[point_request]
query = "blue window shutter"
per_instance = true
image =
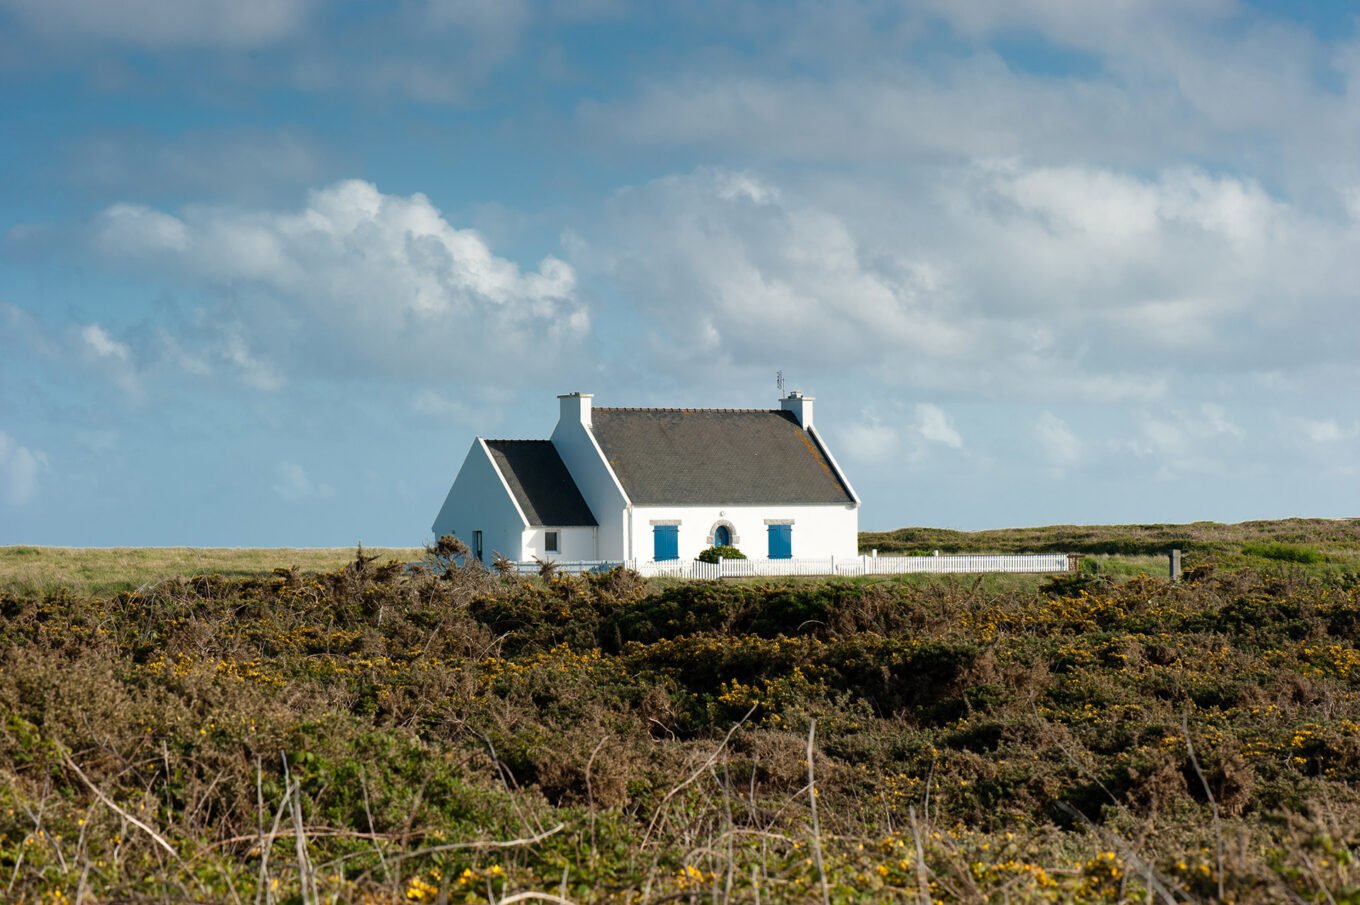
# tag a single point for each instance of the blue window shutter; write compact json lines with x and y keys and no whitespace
{"x":781,"y":542}
{"x":665,"y":542}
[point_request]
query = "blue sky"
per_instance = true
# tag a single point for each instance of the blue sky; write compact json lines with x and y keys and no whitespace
{"x":267,"y":266}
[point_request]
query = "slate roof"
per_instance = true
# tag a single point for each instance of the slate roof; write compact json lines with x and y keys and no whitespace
{"x":716,"y":457}
{"x":540,"y":482}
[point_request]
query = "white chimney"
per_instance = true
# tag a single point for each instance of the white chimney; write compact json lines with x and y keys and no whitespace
{"x":575,"y":408}
{"x":800,"y":405}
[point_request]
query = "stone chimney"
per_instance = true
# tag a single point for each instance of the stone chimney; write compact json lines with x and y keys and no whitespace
{"x":800,"y":405}
{"x":575,"y":408}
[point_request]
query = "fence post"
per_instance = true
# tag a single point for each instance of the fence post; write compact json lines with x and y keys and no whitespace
{"x":1073,"y":562}
{"x":833,"y":563}
{"x":720,"y":559}
{"x":1175,"y":565}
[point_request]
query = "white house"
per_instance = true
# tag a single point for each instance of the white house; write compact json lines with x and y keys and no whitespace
{"x":617,"y":484}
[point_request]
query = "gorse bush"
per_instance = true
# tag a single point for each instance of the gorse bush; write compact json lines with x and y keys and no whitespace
{"x":388,"y":734}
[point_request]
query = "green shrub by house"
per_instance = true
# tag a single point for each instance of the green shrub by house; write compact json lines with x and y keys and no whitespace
{"x":713,"y":554}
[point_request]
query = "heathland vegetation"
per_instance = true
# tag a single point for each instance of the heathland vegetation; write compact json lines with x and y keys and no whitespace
{"x":373,"y":732}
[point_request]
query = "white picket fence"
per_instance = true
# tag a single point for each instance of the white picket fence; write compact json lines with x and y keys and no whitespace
{"x":856,"y":565}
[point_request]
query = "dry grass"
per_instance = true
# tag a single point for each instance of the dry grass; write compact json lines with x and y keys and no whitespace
{"x":40,"y":570}
{"x":1113,"y":550}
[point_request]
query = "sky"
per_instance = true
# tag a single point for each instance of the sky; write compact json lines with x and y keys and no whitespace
{"x":267,"y":267}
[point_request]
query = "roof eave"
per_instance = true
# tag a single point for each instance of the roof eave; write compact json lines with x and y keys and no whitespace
{"x":836,"y":466}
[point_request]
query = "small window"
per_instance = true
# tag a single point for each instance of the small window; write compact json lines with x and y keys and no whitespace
{"x":550,"y":542}
{"x":477,"y":545}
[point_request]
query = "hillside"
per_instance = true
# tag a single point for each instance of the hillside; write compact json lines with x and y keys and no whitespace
{"x":1326,"y":535}
{"x":373,"y":734}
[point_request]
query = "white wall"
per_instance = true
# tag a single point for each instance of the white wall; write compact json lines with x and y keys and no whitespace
{"x":818,"y":531}
{"x":597,"y":484}
{"x":480,"y":501}
{"x":575,"y":544}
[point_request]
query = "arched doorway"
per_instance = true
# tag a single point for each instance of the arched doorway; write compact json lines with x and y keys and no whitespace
{"x":722,"y":536}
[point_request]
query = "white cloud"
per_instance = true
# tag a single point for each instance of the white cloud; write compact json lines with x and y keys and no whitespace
{"x":1119,"y":83}
{"x":733,"y":274}
{"x":110,"y":357}
{"x":131,"y":230}
{"x":1321,"y":431}
{"x":1060,"y":447}
{"x":1112,"y":210}
{"x":869,"y":440}
{"x":1182,"y":442}
{"x":253,"y":372}
{"x":996,"y":279}
{"x":1217,"y":421}
{"x":22,"y":332}
{"x":19,"y":470}
{"x":165,"y":23}
{"x":890,"y":112}
{"x":482,"y":410}
{"x":355,"y":281}
{"x":292,"y":483}
{"x":98,"y":341}
{"x":181,"y":358}
{"x":934,"y":426}
{"x":431,"y":404}
{"x":1115,"y":23}
{"x":894,"y":432}
{"x":987,"y":191}
{"x":1163,"y":258}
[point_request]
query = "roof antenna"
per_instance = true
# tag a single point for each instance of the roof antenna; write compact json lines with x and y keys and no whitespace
{"x":779,"y":382}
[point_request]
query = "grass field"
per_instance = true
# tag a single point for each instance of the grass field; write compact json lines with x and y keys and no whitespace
{"x":38,"y":570}
{"x":1325,"y":545}
{"x":372,"y":734}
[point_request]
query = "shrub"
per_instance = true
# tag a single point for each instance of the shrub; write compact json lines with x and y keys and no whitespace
{"x":658,"y":734}
{"x":712,"y":554}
